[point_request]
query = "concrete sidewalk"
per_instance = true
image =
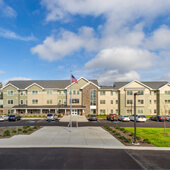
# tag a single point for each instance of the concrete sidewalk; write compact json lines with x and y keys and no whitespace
{"x":77,"y":118}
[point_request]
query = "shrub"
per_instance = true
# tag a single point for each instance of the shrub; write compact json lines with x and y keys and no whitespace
{"x":105,"y":126}
{"x":24,"y":127}
{"x":25,"y":131}
{"x":132,"y":134}
{"x":6,"y":133}
{"x":122,"y":129}
{"x":27,"y":126}
{"x":14,"y":131}
{"x":113,"y":131}
{"x":19,"y":130}
{"x":30,"y":129}
{"x":125,"y":131}
{"x":38,"y":126}
{"x":128,"y":140}
{"x":117,"y":134}
{"x":59,"y":115}
{"x":88,"y":115}
{"x":116,"y":127}
{"x":122,"y":137}
{"x":138,"y":137}
{"x":34,"y":127}
{"x":146,"y":141}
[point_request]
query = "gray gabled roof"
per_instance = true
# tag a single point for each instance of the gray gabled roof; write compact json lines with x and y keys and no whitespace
{"x":60,"y":84}
{"x":106,"y":87}
{"x":152,"y":84}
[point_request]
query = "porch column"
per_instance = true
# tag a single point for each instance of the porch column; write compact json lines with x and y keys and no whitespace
{"x":49,"y":110}
{"x":41,"y":112}
{"x":65,"y":112}
{"x":83,"y":111}
{"x":55,"y":110}
{"x":15,"y":111}
{"x":26,"y":111}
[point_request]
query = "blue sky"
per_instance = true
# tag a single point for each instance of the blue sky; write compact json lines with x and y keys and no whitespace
{"x":106,"y":40}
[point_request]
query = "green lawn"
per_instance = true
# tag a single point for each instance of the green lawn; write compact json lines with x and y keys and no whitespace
{"x":101,"y":116}
{"x":33,"y":117}
{"x":154,"y":135}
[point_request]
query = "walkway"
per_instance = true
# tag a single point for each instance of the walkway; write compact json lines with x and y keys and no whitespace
{"x":74,"y":118}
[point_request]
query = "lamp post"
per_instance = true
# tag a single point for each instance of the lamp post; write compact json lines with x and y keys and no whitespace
{"x":134,"y":142}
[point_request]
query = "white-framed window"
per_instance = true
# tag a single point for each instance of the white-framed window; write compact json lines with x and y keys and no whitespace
{"x":60,"y":101}
{"x":102,"y":101}
{"x":10,"y":92}
{"x":102,"y":111}
{"x":150,"y":101}
{"x":129,"y":111}
{"x":140,"y":111}
{"x":22,"y":101}
{"x":111,"y":111}
{"x":49,"y":101}
{"x":35,"y":101}
{"x":111,"y":101}
{"x":102,"y":93}
{"x":155,"y":101}
{"x":10,"y":112}
{"x":49,"y":92}
{"x":10,"y":101}
{"x":140,"y":92}
{"x":117,"y":111}
{"x":26,"y":102}
{"x":21,"y":93}
{"x":78,"y":92}
{"x":74,"y":92}
{"x":167,"y":101}
{"x":140,"y":101}
{"x":167,"y":92}
{"x":111,"y":93}
{"x":75,"y":100}
{"x":117,"y":101}
{"x":64,"y":101}
{"x":155,"y":111}
{"x":59,"y":92}
{"x":155,"y":92}
{"x":129,"y":101}
{"x":34,"y":92}
{"x":116,"y":93}
{"x":129,"y":92}
{"x":92,"y":97}
{"x":26,"y":92}
{"x":65,"y":92}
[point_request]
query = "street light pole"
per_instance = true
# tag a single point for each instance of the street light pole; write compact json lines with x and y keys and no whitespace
{"x":134,"y":142}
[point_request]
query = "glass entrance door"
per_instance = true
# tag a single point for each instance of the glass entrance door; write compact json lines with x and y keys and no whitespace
{"x":74,"y":112}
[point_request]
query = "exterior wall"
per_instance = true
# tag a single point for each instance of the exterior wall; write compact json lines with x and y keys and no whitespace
{"x":86,"y":97}
{"x":107,"y":97}
{"x":123,"y":106}
{"x":14,"y":97}
{"x":162,"y":107}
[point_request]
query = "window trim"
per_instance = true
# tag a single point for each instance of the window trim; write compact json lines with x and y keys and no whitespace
{"x":10,"y":91}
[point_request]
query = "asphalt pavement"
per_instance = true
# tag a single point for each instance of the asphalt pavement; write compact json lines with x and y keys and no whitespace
{"x":76,"y":158}
{"x":100,"y":122}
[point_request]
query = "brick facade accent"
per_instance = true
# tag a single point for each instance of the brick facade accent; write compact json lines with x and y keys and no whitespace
{"x":86,"y":98}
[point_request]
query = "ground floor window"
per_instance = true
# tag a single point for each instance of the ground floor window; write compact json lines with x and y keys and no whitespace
{"x":111,"y":110}
{"x":117,"y":111}
{"x":129,"y":111}
{"x":10,"y":111}
{"x":140,"y":111}
{"x":93,"y":111}
{"x":155,"y":111}
{"x":102,"y":111}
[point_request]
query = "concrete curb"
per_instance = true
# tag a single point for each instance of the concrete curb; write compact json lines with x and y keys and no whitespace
{"x":89,"y":147}
{"x":32,"y":118}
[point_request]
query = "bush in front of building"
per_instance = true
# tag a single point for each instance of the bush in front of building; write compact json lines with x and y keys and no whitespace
{"x":6,"y":133}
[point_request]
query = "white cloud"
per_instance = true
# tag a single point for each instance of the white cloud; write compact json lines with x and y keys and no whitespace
{"x":110,"y":76}
{"x":15,"y":78}
{"x":122,"y":58}
{"x":65,"y":44}
{"x":2,"y":72}
{"x":166,"y":76}
{"x":6,"y":10}
{"x":160,"y":39}
{"x":12,"y":35}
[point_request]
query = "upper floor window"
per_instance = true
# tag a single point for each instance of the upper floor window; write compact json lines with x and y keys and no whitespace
{"x":111,"y":93}
{"x":22,"y":101}
{"x":155,"y":101}
{"x":22,"y":93}
{"x":74,"y":92}
{"x":140,"y":101}
{"x":75,"y":100}
{"x":59,"y":101}
{"x":10,"y":101}
{"x":102,"y":101}
{"x":167,"y":101}
{"x":49,"y":92}
{"x":49,"y":101}
{"x":10,"y":92}
{"x":34,"y":101}
{"x":116,"y":101}
{"x":92,"y":97}
{"x":78,"y":92}
{"x":26,"y":92}
{"x":64,"y":101}
{"x":155,"y":92}
{"x":116,"y":93}
{"x":65,"y":92}
{"x":167,"y":92}
{"x":140,"y":92}
{"x":34,"y":92}
{"x":102,"y":93}
{"x":111,"y":101}
{"x":129,"y":92}
{"x":129,"y":101}
{"x":59,"y":92}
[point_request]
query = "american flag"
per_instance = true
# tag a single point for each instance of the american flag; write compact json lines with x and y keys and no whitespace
{"x":73,"y":79}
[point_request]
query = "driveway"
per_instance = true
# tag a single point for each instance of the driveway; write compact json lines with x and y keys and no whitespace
{"x":90,"y":137}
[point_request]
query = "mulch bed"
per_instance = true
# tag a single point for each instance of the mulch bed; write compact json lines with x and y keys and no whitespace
{"x":17,"y":130}
{"x":127,"y":135}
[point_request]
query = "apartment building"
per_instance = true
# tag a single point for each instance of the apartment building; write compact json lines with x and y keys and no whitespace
{"x":29,"y":97}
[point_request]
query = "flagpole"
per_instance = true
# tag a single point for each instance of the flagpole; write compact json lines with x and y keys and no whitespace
{"x":70,"y":101}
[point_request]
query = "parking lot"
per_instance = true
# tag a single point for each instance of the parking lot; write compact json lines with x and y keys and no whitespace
{"x":100,"y":122}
